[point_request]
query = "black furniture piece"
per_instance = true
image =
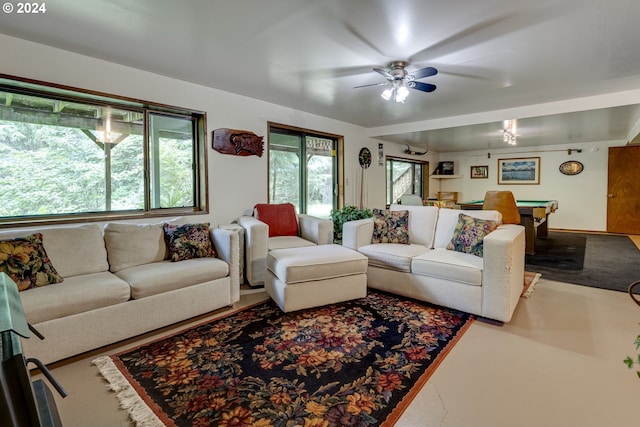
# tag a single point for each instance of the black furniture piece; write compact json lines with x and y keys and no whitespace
{"x":23,"y":403}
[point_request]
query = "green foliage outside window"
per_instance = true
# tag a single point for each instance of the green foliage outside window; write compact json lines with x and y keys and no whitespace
{"x":47,"y":170}
{"x":65,"y":153}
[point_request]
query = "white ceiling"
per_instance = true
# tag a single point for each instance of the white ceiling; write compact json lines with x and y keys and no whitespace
{"x":569,"y":70}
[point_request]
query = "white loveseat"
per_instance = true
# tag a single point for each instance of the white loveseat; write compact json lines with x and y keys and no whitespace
{"x":487,"y":286}
{"x":118,"y":283}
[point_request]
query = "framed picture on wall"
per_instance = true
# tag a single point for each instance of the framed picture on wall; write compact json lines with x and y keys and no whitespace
{"x":479,"y":172}
{"x":519,"y":171}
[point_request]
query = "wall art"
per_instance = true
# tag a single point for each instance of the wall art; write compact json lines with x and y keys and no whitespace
{"x":479,"y":172}
{"x":571,"y":167}
{"x":519,"y":171}
{"x":237,"y":142}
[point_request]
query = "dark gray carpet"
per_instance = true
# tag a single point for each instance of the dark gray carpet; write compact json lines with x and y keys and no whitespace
{"x":597,"y":260}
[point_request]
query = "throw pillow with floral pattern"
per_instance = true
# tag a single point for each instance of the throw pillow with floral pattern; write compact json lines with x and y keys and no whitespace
{"x":390,"y":226}
{"x":188,"y":241}
{"x":469,"y":234}
{"x":26,"y":262}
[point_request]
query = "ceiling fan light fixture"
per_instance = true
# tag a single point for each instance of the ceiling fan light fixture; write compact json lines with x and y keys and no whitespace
{"x":402,"y":93}
{"x":398,"y":92}
{"x":386,"y":95}
{"x":509,"y":132}
{"x":400,"y":81}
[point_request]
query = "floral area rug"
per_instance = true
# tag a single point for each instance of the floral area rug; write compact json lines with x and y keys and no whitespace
{"x":357,"y":363}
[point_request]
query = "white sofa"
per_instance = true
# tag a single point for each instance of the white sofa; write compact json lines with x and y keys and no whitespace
{"x":118,"y":283}
{"x":489,"y":287}
{"x":311,"y":231}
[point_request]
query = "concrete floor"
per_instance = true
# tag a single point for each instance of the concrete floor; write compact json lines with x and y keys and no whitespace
{"x":557,"y":363}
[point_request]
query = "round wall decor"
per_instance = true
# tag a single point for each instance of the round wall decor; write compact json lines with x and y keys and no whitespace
{"x":571,"y":167}
{"x":364,"y":157}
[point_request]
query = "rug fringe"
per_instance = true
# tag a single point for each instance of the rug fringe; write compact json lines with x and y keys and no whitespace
{"x":532,"y":286}
{"x":129,"y":400}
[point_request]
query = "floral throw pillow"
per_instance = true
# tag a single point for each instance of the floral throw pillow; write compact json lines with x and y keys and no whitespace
{"x":469,"y":234}
{"x":188,"y":241}
{"x":390,"y":227}
{"x":380,"y":227}
{"x":26,"y":262}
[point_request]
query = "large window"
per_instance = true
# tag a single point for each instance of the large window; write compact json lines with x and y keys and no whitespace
{"x":68,"y":155}
{"x":406,"y":177}
{"x":304,"y":169}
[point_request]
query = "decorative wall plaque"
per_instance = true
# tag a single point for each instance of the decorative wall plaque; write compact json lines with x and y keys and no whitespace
{"x":572,"y":167}
{"x":237,"y":142}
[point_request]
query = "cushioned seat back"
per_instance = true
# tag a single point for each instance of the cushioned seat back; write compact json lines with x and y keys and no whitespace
{"x":281,"y":218}
{"x":130,"y":245}
{"x":422,"y":223}
{"x":73,"y":250}
{"x":448,"y":218}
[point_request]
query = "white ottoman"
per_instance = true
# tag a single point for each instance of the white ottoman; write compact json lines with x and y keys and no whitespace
{"x":312,"y":276}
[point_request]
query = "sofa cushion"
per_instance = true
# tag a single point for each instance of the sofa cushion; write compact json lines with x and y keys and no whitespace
{"x":422,"y":223}
{"x":129,"y":245}
{"x":469,"y":234}
{"x":164,"y":276}
{"x":390,"y":226}
{"x":448,"y":219}
{"x":188,"y":241}
{"x":449,"y":265}
{"x":73,"y":250}
{"x":285,"y":242}
{"x":76,"y":294}
{"x":25,"y":261}
{"x":392,"y":255}
{"x":281,"y":218}
{"x":320,"y":262}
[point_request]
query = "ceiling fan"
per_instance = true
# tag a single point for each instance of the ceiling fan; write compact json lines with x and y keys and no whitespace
{"x":400,"y":81}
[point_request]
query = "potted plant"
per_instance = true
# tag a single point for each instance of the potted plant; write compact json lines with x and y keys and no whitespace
{"x":629,"y":361}
{"x":342,"y":215}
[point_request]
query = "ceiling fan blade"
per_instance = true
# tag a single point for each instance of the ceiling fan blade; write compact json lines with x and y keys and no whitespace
{"x":372,"y":84}
{"x":424,"y":72}
{"x":330,"y":73}
{"x":425,"y":87}
{"x":385,"y":73}
{"x":513,"y":19}
{"x":467,"y":37}
{"x":359,"y":36}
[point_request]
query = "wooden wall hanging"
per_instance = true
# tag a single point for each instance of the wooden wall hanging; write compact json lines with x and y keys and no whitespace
{"x":237,"y":142}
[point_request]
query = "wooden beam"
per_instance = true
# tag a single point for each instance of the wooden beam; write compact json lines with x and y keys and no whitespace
{"x":28,"y":115}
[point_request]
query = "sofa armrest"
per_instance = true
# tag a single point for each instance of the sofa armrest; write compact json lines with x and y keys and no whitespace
{"x":256,"y":236}
{"x":316,"y":230}
{"x":357,"y":233}
{"x":227,"y":246}
{"x":503,"y":271}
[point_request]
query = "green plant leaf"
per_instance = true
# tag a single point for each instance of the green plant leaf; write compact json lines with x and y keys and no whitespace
{"x":345,"y":214}
{"x":629,"y":362}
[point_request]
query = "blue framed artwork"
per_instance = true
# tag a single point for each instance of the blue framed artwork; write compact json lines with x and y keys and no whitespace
{"x":524,"y":170}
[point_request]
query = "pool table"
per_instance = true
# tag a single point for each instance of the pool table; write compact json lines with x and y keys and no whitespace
{"x":534,"y":215}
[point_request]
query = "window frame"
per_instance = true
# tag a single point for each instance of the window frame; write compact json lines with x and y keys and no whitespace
{"x":57,"y":92}
{"x":424,"y":164}
{"x":302,"y":132}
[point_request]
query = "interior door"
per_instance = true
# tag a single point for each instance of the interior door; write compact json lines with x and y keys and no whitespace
{"x":623,"y":190}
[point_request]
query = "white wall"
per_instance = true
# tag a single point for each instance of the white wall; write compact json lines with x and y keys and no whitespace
{"x":582,"y":198}
{"x":236,"y":183}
